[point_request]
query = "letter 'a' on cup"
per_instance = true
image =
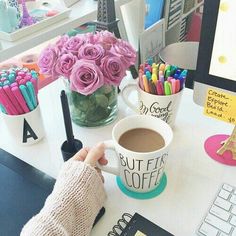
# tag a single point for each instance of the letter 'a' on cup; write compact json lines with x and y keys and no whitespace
{"x":139,"y":172}
{"x":25,"y":129}
{"x":164,"y":107}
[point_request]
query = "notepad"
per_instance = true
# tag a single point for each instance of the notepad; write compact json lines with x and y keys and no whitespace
{"x":137,"y":225}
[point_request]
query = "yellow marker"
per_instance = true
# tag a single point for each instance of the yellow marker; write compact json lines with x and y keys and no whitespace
{"x":154,"y":71}
{"x":154,"y":65}
{"x":145,"y":84}
{"x":154,"y":78}
{"x":162,"y":67}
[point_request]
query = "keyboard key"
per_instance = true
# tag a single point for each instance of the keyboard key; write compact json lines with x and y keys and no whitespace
{"x":222,"y":203}
{"x":223,"y":234}
{"x":233,"y":199}
{"x":234,"y":232}
{"x":218,"y":223}
{"x":217,"y":211}
{"x":224,"y":194}
{"x":227,"y":187}
{"x":233,"y":220}
{"x":233,"y":210}
{"x":208,"y":230}
{"x":220,"y":219}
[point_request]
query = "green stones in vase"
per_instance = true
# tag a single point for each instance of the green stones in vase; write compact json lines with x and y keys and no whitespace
{"x":98,"y":109}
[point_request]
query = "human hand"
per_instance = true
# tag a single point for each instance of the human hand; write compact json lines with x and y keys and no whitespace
{"x":92,"y":155}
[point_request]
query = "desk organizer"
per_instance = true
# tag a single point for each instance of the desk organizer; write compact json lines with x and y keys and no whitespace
{"x":44,"y":23}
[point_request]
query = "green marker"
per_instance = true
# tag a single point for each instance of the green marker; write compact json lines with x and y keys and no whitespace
{"x":167,"y":88}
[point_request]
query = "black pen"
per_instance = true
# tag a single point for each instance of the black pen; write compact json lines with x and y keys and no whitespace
{"x":67,"y":120}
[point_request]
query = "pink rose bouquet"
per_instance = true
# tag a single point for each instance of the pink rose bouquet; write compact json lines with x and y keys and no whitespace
{"x":89,"y":61}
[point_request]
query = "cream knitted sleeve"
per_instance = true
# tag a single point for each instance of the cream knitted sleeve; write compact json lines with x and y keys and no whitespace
{"x":71,"y":209}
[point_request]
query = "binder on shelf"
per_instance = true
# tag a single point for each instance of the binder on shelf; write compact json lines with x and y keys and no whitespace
{"x":151,"y":41}
{"x":173,"y":12}
{"x":136,"y":225}
{"x":154,"y":12}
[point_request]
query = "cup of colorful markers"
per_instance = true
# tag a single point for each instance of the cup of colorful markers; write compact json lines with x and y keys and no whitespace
{"x":19,"y":105}
{"x":160,"y":87}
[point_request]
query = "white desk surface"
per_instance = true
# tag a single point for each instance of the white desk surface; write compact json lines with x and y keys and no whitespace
{"x":193,"y":177}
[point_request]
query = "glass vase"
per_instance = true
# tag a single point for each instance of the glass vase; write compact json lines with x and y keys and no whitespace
{"x":97,"y":109}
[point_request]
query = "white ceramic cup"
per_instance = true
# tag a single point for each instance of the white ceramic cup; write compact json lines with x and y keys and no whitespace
{"x":164,"y":107}
{"x":25,"y":129}
{"x":139,"y":171}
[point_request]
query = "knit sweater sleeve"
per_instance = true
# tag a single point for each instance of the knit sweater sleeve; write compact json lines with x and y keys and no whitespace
{"x":71,"y":208}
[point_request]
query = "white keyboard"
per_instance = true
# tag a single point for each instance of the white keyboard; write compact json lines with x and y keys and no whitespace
{"x":220,"y":219}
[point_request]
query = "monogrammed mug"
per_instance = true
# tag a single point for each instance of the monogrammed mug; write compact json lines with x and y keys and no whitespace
{"x":25,"y":129}
{"x":164,"y":107}
{"x":139,"y":171}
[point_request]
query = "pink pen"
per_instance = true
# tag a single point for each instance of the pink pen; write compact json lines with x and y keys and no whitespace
{"x":177,"y":86}
{"x":169,"y":79}
{"x":19,"y":97}
{"x":28,"y":77}
{"x":173,"y":85}
{"x":21,"y":73}
{"x":14,"y":84}
{"x":160,"y":89}
{"x":141,"y":82}
{"x":22,"y":82}
{"x":11,"y":110}
{"x":14,"y":101}
{"x":18,"y":78}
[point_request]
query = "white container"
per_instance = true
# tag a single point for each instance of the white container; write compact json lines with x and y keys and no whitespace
{"x":25,"y":129}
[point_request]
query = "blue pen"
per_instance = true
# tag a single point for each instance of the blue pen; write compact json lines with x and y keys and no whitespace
{"x":26,"y":96}
{"x":30,"y":88}
{"x":6,"y":82}
{"x":150,"y":61}
{"x":149,"y":75}
{"x":182,"y":81}
{"x":178,"y":71}
{"x":176,"y":76}
{"x":12,"y":77}
{"x":3,"y":110}
{"x":184,"y":73}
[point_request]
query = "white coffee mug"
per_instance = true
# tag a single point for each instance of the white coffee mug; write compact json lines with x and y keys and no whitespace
{"x":164,"y":107}
{"x":139,"y":171}
{"x":25,"y":129}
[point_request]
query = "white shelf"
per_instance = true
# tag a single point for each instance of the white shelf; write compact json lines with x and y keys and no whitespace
{"x":82,"y":12}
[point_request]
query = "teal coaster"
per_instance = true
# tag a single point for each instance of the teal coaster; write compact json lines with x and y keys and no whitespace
{"x":157,"y":191}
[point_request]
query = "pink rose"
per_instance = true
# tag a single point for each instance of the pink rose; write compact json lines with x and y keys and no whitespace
{"x":65,"y":64}
{"x":47,"y":60}
{"x":73,"y":44}
{"x":91,"y":52}
{"x":125,"y":51}
{"x":61,"y":42}
{"x":107,"y":39}
{"x":113,"y":69}
{"x":92,"y":38}
{"x":86,"y":77}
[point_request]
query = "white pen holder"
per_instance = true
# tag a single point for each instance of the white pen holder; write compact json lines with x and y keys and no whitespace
{"x":164,"y":107}
{"x":25,"y":129}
